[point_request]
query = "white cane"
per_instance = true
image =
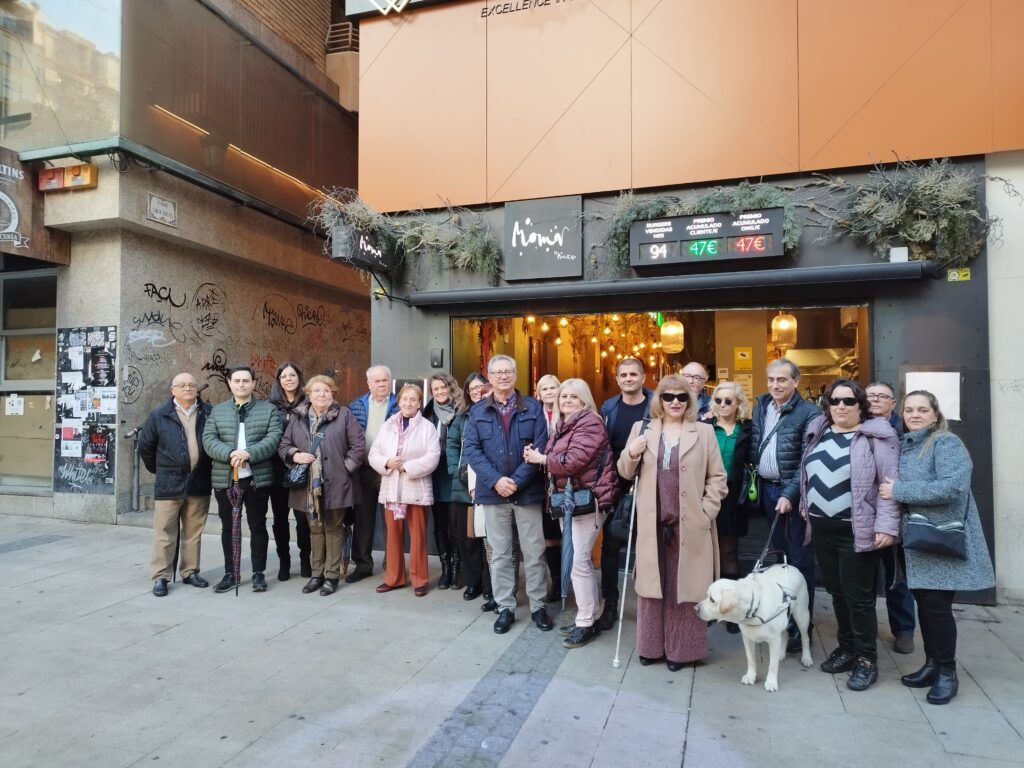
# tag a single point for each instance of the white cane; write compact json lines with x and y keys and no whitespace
{"x":625,"y":576}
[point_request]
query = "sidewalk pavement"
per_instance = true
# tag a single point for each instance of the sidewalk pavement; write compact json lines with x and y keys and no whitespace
{"x":95,"y":671}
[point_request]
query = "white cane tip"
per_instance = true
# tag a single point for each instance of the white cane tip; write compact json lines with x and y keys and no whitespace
{"x":616,"y":663}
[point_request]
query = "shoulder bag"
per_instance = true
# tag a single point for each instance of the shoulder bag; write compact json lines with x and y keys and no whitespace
{"x":298,"y":474}
{"x":583,"y":501}
{"x":619,"y":524}
{"x":948,"y":539}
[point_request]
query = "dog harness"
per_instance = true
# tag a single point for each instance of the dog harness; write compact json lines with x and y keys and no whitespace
{"x":787,"y":598}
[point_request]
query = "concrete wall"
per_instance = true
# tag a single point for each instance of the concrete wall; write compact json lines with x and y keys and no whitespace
{"x":1006,"y":318}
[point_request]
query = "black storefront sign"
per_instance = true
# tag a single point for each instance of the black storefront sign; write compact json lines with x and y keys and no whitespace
{"x":360,"y":248}
{"x":544,"y":238}
{"x":707,"y":237}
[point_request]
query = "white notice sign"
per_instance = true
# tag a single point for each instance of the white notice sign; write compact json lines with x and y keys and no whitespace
{"x":14,"y":405}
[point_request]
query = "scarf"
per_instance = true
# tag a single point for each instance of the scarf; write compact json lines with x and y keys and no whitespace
{"x":397,"y":507}
{"x":314,"y":489}
{"x":445,"y":413}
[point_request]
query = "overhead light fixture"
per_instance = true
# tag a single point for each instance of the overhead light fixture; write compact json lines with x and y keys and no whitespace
{"x":545,"y":327}
{"x":558,"y":340}
{"x":593,"y":339}
{"x":564,"y":322}
{"x":531,"y":319}
{"x":784,"y":331}
{"x":607,"y":331}
{"x":673,"y":336}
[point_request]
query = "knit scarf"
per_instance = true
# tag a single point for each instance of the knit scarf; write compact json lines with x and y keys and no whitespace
{"x":397,"y":507}
{"x":314,"y":489}
{"x":445,"y":413}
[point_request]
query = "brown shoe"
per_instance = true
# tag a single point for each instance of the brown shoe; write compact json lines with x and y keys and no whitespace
{"x":421,"y":591}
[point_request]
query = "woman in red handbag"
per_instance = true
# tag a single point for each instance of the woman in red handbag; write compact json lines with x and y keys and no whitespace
{"x":579,"y":456}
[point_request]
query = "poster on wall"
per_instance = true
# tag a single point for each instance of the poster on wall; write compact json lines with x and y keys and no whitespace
{"x":86,"y":421}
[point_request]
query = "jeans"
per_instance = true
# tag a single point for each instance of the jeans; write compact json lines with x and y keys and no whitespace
{"x":788,"y":537}
{"x":899,"y":603}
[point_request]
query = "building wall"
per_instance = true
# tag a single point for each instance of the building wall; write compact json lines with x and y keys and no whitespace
{"x":301,"y":23}
{"x":1006,"y":390}
{"x":587,"y":97}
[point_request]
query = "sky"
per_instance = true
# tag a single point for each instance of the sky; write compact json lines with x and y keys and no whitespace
{"x":96,"y":20}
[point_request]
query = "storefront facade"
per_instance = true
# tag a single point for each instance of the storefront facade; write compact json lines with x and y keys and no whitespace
{"x":608,"y":102}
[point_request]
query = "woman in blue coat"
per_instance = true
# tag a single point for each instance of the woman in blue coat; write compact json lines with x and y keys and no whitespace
{"x":935,"y":481}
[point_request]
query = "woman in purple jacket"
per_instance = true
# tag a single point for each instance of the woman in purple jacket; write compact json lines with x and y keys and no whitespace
{"x":849,"y":454}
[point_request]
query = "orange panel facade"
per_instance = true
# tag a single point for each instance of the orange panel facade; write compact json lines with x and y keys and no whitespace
{"x":597,"y":96}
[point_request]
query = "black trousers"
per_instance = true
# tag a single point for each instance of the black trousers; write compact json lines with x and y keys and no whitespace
{"x":938,"y":627}
{"x":254,"y":502}
{"x":474,"y":560}
{"x":850,"y":580}
{"x":610,"y":548}
{"x":364,"y":520}
{"x":282,"y":530}
{"x":446,"y":534}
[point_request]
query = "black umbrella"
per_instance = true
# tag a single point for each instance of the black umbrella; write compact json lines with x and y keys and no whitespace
{"x":568,"y":505}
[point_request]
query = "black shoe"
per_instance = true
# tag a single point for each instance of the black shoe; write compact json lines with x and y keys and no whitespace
{"x":794,"y":644}
{"x":355,"y":576}
{"x":226,"y":584}
{"x":489,"y":605}
{"x":160,"y":587}
{"x":542,"y":620}
{"x":195,"y":580}
{"x":924,"y":677}
{"x":734,"y":629}
{"x":313,"y":585}
{"x":284,"y":569}
{"x":674,"y":666}
{"x":580,"y":636}
{"x":305,"y":569}
{"x":328,"y":588}
{"x":472,"y":593}
{"x":864,"y":675}
{"x":903,"y":642}
{"x":567,"y":630}
{"x":840,"y":660}
{"x":945,"y":686}
{"x":608,"y":616}
{"x":554,"y":595}
{"x":445,"y":582}
{"x":646,"y":661}
{"x":259,"y":582}
{"x":504,"y":622}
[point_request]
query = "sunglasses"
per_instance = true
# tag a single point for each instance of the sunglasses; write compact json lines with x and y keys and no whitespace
{"x":842,"y":400}
{"x":723,"y":401}
{"x":668,"y":397}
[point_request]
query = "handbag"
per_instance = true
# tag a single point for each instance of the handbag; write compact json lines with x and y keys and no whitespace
{"x":946,"y":539}
{"x":475,"y":527}
{"x":463,"y":470}
{"x":619,"y":524}
{"x":583,"y":500}
{"x":748,"y":489}
{"x":298,"y":474}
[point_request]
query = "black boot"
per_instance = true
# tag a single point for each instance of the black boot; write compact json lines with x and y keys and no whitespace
{"x":445,"y":582}
{"x":305,"y":571}
{"x":945,"y":686}
{"x":457,"y":582}
{"x":284,"y":571}
{"x":553,"y":554}
{"x":608,"y":616}
{"x":924,"y":677}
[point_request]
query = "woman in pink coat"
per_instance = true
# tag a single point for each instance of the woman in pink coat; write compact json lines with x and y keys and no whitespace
{"x":405,"y":454}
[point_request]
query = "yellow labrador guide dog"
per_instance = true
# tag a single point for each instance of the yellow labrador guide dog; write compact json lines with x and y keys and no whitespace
{"x":761,"y":604}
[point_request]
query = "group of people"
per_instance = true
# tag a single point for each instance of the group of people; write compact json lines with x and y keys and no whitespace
{"x":504,"y":473}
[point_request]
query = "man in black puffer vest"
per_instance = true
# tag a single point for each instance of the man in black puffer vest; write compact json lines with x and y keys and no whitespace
{"x":777,"y":447}
{"x":170,"y":447}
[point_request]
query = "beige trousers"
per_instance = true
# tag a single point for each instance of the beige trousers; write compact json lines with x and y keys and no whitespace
{"x":191,"y":512}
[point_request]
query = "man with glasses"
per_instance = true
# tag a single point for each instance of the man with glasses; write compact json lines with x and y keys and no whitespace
{"x":170,"y":447}
{"x":899,"y":602}
{"x":499,"y":428}
{"x":696,"y":376}
{"x":619,"y":413}
{"x":777,"y":447}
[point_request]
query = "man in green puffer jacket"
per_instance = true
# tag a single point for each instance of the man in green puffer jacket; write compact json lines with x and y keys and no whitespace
{"x":242,"y":434}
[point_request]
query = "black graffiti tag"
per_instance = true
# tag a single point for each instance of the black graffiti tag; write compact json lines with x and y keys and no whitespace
{"x":208,"y":306}
{"x":217,"y":367}
{"x":278,"y":313}
{"x":132,"y":384}
{"x":163,"y":293}
{"x":310,"y":315}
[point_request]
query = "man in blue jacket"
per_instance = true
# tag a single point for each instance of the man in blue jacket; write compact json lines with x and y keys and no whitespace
{"x":371,"y":410}
{"x":620,"y":413}
{"x":777,"y":444}
{"x":170,"y":446}
{"x":497,"y":431}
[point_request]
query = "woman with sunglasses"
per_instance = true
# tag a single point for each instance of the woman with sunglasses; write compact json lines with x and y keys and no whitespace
{"x":730,"y":414}
{"x":681,"y":488}
{"x":848,"y":455}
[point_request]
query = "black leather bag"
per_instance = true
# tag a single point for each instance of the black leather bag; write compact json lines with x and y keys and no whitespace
{"x":948,"y":539}
{"x":298,"y":474}
{"x":583,"y":501}
{"x":618,"y":526}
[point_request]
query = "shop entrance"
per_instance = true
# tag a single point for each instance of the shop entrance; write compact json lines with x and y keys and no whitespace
{"x":733,"y":344}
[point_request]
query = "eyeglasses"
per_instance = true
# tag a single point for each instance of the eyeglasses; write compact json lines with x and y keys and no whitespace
{"x":668,"y":397}
{"x":476,"y":390}
{"x":185,"y":386}
{"x":502,"y":374}
{"x":880,"y":396}
{"x":842,"y":400}
{"x":723,"y":401}
{"x":694,"y":377}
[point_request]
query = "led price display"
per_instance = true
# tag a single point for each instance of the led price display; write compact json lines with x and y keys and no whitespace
{"x":706,"y":237}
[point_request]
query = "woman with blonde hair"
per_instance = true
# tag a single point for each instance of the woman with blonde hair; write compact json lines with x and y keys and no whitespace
{"x":935,"y":481}
{"x":578,"y":452}
{"x":730,"y":418}
{"x":546,"y":392}
{"x":680,"y":491}
{"x":405,"y":454}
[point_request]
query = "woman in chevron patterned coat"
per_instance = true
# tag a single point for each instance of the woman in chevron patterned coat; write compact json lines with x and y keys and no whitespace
{"x":848,"y":455}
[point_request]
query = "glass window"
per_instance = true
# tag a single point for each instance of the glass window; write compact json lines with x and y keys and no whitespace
{"x":26,"y":442}
{"x":28,"y":342}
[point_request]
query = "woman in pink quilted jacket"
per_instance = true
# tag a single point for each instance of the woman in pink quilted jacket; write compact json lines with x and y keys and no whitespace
{"x":405,"y":454}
